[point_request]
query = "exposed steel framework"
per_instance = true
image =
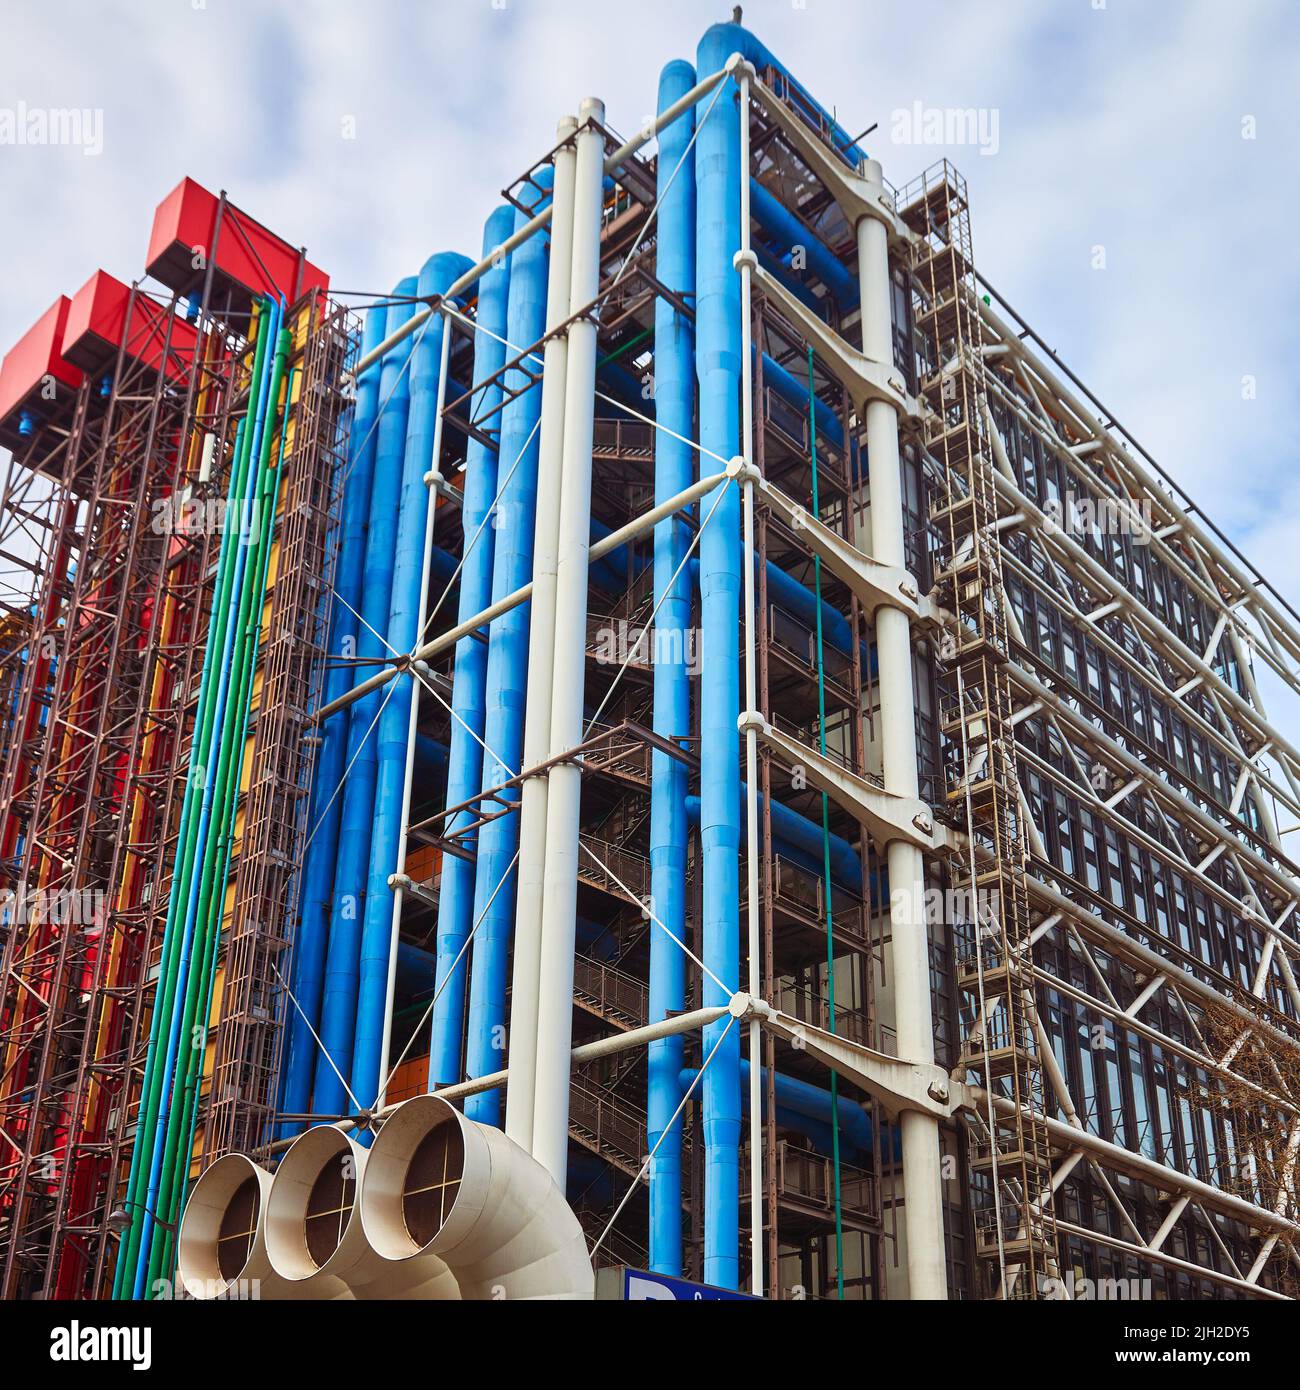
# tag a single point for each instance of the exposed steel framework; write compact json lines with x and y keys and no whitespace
{"x":253,"y":1004}
{"x":1113,"y":974}
{"x":114,"y":617}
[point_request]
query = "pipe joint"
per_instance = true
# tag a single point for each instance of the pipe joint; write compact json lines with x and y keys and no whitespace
{"x":752,"y":720}
{"x":743,"y":1006}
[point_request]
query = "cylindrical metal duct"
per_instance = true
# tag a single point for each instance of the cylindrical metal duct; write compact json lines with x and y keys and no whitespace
{"x":440,"y":1189}
{"x":313,"y":1232}
{"x":221,"y":1245}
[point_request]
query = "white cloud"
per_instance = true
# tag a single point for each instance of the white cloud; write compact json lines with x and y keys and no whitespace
{"x":1119,"y":127}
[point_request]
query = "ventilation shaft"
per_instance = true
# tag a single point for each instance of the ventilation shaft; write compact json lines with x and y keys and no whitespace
{"x":440,"y":1207}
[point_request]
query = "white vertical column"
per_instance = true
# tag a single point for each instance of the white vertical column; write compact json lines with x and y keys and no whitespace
{"x":746,"y":261}
{"x":541,"y":655}
{"x":922,"y":1179}
{"x":560,"y":894}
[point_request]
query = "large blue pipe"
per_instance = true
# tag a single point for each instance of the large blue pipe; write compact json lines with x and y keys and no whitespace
{"x":437,"y":275}
{"x":797,"y":832}
{"x":674,"y":472}
{"x":718,"y":364}
{"x":802,"y":1098}
{"x":468,"y":691}
{"x":507,"y":680}
{"x":800,"y":601}
{"x":795,"y":393}
{"x":342,"y":960}
{"x":327,"y":804}
{"x":787,"y":232}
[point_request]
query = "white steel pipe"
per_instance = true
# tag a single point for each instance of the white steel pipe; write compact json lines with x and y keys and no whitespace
{"x":432,"y":478}
{"x":922,"y":1183}
{"x":559,"y":905}
{"x":541,"y":654}
{"x":746,"y":263}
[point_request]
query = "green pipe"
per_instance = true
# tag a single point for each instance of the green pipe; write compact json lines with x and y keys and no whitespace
{"x":176,"y":1177}
{"x":165,"y":994}
{"x":165,"y":1001}
{"x":201,"y":941}
{"x":270,"y":503}
{"x":231,"y":744}
{"x":164,"y":989}
{"x":826,"y":849}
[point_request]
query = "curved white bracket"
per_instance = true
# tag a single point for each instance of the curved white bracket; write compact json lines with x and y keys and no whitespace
{"x":865,"y":379}
{"x":885,"y":816}
{"x":857,"y":197}
{"x":898,"y":1084}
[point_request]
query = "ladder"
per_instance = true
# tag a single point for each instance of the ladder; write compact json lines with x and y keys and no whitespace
{"x":1008,"y":1151}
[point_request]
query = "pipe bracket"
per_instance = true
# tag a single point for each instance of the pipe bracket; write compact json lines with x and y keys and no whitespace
{"x":857,"y":197}
{"x":865,"y":379}
{"x":897,"y":1083}
{"x":873,"y":584}
{"x":885,"y":816}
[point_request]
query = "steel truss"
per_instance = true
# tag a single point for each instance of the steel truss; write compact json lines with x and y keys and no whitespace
{"x":1162,"y":897}
{"x":1153,"y":964}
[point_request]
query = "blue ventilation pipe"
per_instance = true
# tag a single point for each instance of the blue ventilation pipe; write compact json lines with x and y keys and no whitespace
{"x":787,"y":232}
{"x":507,"y":680}
{"x":801,"y":1098}
{"x":327,"y":805}
{"x":465,"y":762}
{"x":795,"y":393}
{"x":801,"y":839}
{"x":439,"y":273}
{"x":674,"y":472}
{"x":342,"y":961}
{"x":800,"y":601}
{"x":717,"y":363}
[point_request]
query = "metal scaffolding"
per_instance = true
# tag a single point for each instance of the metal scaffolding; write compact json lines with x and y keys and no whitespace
{"x":113,"y":620}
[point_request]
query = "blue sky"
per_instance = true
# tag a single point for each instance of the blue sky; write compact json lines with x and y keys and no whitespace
{"x":1120,"y":126}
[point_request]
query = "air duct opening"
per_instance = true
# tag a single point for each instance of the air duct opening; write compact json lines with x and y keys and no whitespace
{"x":220,"y":1245}
{"x":432,"y":1182}
{"x":329,"y":1209}
{"x":464,"y":1209}
{"x":311,"y":1209}
{"x":238,"y":1229}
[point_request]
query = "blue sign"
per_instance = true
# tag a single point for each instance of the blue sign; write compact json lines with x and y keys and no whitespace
{"x":640,"y":1286}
